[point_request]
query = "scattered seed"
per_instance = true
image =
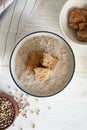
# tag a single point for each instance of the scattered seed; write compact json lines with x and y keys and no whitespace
{"x":26,"y":95}
{"x":36,"y":99}
{"x":10,"y":93}
{"x":16,"y":89}
{"x":9,"y":87}
{"x":13,"y":124}
{"x":25,"y":99}
{"x":25,"y":111}
{"x":49,"y":108}
{"x":20,"y":100}
{"x":28,"y":104}
{"x":37,"y":113}
{"x":7,"y":113}
{"x":31,"y":111}
{"x":38,"y":110}
{"x":16,"y":98}
{"x":33,"y":125}
{"x":19,"y":111}
{"x":21,"y":95}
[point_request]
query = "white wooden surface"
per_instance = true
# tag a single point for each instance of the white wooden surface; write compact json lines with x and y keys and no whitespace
{"x":68,"y":108}
{"x":46,"y":17}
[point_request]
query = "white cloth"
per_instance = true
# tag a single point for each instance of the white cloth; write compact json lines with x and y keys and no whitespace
{"x":12,"y":23}
{"x":4,"y":4}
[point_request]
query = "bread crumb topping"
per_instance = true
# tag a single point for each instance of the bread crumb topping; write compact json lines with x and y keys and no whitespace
{"x":42,"y":64}
{"x":78,"y":22}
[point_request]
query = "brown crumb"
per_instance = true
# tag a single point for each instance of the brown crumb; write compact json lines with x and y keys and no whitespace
{"x":42,"y":64}
{"x":83,"y":26}
{"x":42,"y":74}
{"x":34,"y":59}
{"x":78,"y":21}
{"x":74,"y":26}
{"x":49,"y":61}
{"x":78,"y":15}
{"x":82,"y":36}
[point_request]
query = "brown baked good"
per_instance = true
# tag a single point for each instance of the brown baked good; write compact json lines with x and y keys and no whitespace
{"x":78,"y":22}
{"x":82,"y":36}
{"x":49,"y":61}
{"x":83,"y":26}
{"x":34,"y":59}
{"x":78,"y":15}
{"x":74,"y":26}
{"x":39,"y":59}
{"x":42,"y":64}
{"x":42,"y":74}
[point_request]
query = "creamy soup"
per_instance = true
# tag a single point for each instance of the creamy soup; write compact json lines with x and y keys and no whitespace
{"x":60,"y":75}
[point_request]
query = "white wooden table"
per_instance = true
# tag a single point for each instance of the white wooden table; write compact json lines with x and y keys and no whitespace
{"x":68,"y":108}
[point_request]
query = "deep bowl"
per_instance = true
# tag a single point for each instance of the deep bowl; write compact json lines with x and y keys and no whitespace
{"x":15,"y":106}
{"x":64,"y":16}
{"x":43,"y":91}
